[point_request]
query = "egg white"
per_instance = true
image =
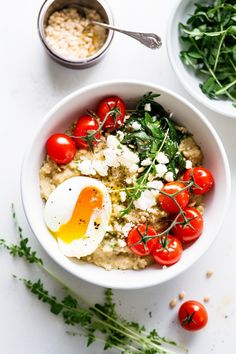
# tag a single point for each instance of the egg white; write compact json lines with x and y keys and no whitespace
{"x":59,"y":209}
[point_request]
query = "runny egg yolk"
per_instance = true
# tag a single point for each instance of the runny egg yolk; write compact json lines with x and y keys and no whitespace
{"x":89,"y":199}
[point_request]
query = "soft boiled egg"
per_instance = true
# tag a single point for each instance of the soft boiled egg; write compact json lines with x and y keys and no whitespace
{"x":77,"y":214}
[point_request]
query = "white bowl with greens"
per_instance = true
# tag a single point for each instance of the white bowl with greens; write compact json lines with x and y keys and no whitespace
{"x":202,"y":51}
{"x":61,"y":116}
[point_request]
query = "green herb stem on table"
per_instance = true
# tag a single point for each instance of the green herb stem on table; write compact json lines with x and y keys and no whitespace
{"x":97,"y":323}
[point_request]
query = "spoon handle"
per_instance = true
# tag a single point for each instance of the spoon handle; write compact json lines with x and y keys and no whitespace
{"x":150,"y":40}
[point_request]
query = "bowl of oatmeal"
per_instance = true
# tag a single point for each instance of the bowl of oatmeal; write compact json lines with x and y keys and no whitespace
{"x":110,"y":172}
{"x":68,"y":35}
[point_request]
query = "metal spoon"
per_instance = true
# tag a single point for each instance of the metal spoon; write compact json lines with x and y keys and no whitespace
{"x":150,"y":40}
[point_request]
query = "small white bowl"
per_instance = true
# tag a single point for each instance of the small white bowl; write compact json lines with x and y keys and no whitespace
{"x":186,"y":75}
{"x":62,"y":115}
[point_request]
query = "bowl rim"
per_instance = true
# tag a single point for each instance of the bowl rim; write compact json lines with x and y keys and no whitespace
{"x":24,"y":169}
{"x":172,"y":58}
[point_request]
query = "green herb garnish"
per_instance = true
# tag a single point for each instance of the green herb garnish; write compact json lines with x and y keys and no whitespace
{"x":157,"y":133}
{"x":100,"y":322}
{"x":210,"y":37}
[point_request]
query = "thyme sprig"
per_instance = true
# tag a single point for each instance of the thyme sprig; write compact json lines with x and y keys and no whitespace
{"x":100,"y":322}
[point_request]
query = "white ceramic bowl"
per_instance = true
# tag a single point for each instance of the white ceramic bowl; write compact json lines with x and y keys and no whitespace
{"x":186,"y":75}
{"x":62,"y":115}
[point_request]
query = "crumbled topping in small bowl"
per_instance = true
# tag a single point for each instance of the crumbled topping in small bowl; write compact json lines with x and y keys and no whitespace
{"x":71,"y":35}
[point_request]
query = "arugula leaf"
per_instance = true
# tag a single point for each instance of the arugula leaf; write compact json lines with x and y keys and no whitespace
{"x":209,"y":37}
{"x":157,"y":133}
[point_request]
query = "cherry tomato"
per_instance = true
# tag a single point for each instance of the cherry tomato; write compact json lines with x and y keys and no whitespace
{"x":61,"y":148}
{"x":190,"y":229}
{"x":136,"y":234}
{"x":111,"y":111}
{"x":182,"y":198}
{"x":192,"y":315}
{"x":201,"y":177}
{"x":168,"y":250}
{"x":86,"y":124}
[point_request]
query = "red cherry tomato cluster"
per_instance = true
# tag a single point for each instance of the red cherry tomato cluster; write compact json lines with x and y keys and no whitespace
{"x":110,"y":115}
{"x":187,"y":222}
{"x":143,"y":240}
{"x":137,"y":242}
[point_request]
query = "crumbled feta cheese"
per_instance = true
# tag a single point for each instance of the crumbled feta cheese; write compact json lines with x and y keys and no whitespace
{"x":112,"y":141}
{"x":117,"y":154}
{"x":122,"y":196}
{"x":147,"y":107}
{"x":155,"y":187}
{"x":86,"y":168}
{"x":133,"y":168}
{"x":129,"y":180}
{"x":146,"y":200}
{"x":188,"y":164}
{"x":107,"y":248}
{"x":111,"y":159}
{"x":162,"y":158}
{"x":100,"y":167}
{"x":136,"y":126}
{"x":169,"y":176}
{"x":126,"y":228}
{"x":121,"y":243}
{"x":128,"y":159}
{"x":120,"y":135}
{"x":117,"y":226}
{"x":146,"y":162}
{"x":160,"y":170}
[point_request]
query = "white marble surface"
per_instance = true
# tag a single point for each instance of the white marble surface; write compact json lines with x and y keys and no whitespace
{"x":30,"y":85}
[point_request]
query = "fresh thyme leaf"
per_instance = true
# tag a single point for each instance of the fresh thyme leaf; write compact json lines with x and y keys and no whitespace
{"x":98,"y":323}
{"x":209,"y":37}
{"x":109,"y":306}
{"x":22,"y":250}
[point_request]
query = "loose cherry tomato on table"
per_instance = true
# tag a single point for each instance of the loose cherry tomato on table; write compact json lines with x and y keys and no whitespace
{"x":191,"y":228}
{"x":202,"y":177}
{"x":61,"y":148}
{"x":192,"y":315}
{"x":136,"y":241}
{"x":111,"y":112}
{"x":167,"y":250}
{"x":182,"y":197}
{"x":85,"y":125}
